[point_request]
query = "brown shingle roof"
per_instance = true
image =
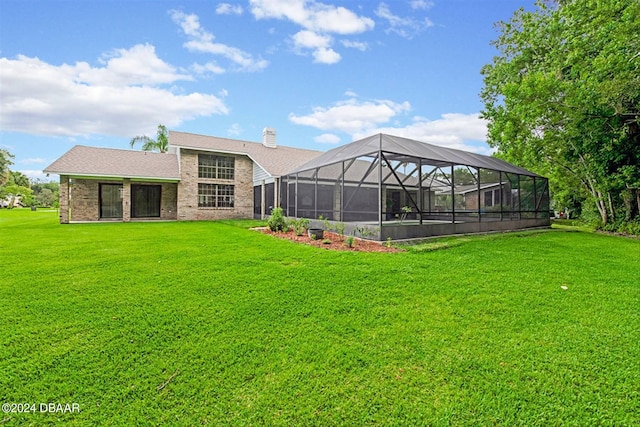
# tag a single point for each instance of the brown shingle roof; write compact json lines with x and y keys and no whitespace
{"x":276,"y":161}
{"x":109,"y":162}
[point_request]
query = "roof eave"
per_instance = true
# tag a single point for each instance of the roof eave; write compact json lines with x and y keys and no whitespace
{"x":80,"y":175}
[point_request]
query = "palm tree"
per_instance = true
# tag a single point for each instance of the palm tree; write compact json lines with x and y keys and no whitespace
{"x":161,"y":143}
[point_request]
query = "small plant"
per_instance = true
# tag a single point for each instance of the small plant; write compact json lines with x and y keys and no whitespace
{"x":299,"y":225}
{"x":326,"y":242}
{"x":327,"y":225}
{"x":313,"y":236}
{"x":388,"y":242}
{"x":340,"y":229}
{"x":365,"y":231}
{"x":350,"y":242}
{"x":277,"y":221}
{"x":406,"y":210}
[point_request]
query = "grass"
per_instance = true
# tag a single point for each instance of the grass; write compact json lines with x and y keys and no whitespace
{"x":208,"y":323}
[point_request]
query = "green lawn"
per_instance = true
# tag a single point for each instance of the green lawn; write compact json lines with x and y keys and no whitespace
{"x":208,"y":323}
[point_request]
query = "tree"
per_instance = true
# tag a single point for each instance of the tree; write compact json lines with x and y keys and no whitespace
{"x":13,"y":192}
{"x":19,"y":179}
{"x":161,"y":143}
{"x":14,"y":185}
{"x":46,"y":193}
{"x":45,"y":197}
{"x":563,"y":98}
{"x":5,"y":162}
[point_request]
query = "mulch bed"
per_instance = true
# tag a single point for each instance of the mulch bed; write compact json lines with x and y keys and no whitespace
{"x":332,"y":241}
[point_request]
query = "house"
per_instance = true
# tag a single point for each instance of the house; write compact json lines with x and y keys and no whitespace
{"x":200,"y":178}
{"x":382,"y":186}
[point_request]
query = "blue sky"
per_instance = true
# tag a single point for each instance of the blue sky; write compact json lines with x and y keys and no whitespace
{"x":322,"y":73}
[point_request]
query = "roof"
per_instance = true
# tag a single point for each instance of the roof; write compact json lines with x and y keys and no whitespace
{"x":276,"y":161}
{"x":110,"y":162}
{"x":404,"y":149}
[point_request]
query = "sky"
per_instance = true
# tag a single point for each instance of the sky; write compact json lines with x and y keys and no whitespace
{"x":322,"y":73}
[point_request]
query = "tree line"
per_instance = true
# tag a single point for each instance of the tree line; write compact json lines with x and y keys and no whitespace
{"x":562,"y":98}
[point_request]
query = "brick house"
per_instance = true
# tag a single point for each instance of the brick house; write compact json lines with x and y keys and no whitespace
{"x":200,"y":178}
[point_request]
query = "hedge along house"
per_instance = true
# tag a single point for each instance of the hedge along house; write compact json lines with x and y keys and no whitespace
{"x":200,"y":178}
{"x":386,"y":186}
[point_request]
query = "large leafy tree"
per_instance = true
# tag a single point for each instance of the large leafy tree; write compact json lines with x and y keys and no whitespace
{"x":16,"y":187}
{"x":161,"y":143}
{"x":5,"y":161}
{"x":563,"y":98}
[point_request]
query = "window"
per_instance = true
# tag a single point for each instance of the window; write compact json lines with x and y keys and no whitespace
{"x":215,"y":167}
{"x":488,"y":198}
{"x":215,"y":196}
{"x":145,"y":201}
{"x":110,"y":201}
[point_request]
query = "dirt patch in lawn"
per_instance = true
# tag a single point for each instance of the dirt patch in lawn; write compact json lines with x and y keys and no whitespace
{"x":332,"y":241}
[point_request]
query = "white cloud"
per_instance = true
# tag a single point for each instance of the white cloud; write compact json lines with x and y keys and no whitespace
{"x":209,"y":67}
{"x":115,"y":99}
{"x":362,"y":46}
{"x":201,"y":41}
{"x":317,"y":20}
{"x":325,"y":55}
{"x":359,"y":119}
{"x":404,"y":27}
{"x":310,"y":39}
{"x":312,"y":15}
{"x":322,"y":52}
{"x":421,"y":4}
{"x":453,"y":130}
{"x":229,"y":9}
{"x":33,"y":161}
{"x":38,"y":176}
{"x":327,"y":138}
{"x":351,"y":116}
{"x":235,"y":130}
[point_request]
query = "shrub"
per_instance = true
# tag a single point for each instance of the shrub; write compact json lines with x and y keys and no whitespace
{"x":299,"y":226}
{"x":277,"y":221}
{"x":630,"y":227}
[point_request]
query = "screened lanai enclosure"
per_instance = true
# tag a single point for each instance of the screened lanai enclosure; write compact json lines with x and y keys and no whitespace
{"x":386,"y":186}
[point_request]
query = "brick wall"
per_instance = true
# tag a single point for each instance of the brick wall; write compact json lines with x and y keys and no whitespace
{"x":64,"y":199}
{"x":188,"y":209}
{"x":84,"y":200}
{"x":169,"y":201}
{"x":471,"y":200}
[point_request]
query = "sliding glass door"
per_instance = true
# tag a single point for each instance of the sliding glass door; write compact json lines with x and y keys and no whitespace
{"x":145,"y":201}
{"x":110,"y":200}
